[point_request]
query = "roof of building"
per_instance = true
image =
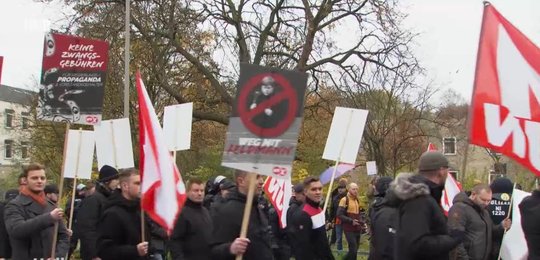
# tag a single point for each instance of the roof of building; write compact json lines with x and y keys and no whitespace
{"x":16,"y":95}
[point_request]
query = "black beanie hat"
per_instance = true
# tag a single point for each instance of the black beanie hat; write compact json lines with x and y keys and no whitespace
{"x":51,"y":188}
{"x":11,"y":194}
{"x":502,"y":185}
{"x":107,"y":173}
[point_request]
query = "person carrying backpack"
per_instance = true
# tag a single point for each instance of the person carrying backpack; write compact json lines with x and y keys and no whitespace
{"x":383,"y":221}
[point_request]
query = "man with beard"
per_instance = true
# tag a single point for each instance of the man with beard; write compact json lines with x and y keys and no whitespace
{"x":227,"y":220}
{"x":308,"y":225}
{"x":30,"y":219}
{"x":422,"y":229}
{"x":120,"y":226}
{"x":190,"y":239}
{"x":91,"y":210}
{"x":469,"y":214}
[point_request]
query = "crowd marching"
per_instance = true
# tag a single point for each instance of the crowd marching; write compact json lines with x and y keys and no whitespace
{"x":404,"y":220}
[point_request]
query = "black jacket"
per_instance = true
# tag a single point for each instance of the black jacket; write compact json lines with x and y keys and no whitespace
{"x":422,"y":231}
{"x":308,"y":233}
{"x":31,"y":229}
{"x":119,"y":229}
{"x":87,"y":218}
{"x":227,"y":221}
{"x":530,"y":222}
{"x":383,"y":216}
{"x":5,"y":246}
{"x":190,"y":239}
{"x":475,"y":221}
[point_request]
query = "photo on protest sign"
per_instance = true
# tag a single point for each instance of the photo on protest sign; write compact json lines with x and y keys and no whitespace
{"x":266,"y":117}
{"x":72,"y":80}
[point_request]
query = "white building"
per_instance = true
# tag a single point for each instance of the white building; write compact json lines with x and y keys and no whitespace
{"x":15,"y":104}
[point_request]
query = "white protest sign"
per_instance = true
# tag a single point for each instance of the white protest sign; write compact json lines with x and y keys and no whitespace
{"x":371,"y":167}
{"x":177,"y":126}
{"x":79,"y":154}
{"x":113,"y":144}
{"x":345,"y":135}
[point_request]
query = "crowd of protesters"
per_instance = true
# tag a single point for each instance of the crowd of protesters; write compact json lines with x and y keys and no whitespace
{"x":403,"y":220}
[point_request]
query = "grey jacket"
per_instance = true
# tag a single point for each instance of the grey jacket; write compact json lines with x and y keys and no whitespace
{"x":30,"y":227}
{"x":465,"y":215}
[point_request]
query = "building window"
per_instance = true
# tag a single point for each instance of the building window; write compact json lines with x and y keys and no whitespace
{"x":24,"y":150}
{"x":454,"y":174}
{"x":25,"y":120}
{"x":8,"y":148}
{"x":9,"y":118}
{"x":449,"y":145}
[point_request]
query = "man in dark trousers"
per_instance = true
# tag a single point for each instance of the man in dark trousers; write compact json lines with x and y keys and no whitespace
{"x":30,"y":219}
{"x":422,"y":232}
{"x":227,"y":220}
{"x":470,"y":215}
{"x":349,"y":214}
{"x":91,"y":210}
{"x":190,"y":239}
{"x":307,"y":225}
{"x":119,"y":229}
{"x":530,"y":222}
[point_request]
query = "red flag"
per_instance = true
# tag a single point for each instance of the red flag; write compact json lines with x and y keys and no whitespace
{"x":162,"y":190}
{"x":279,"y":192}
{"x":431,"y":147}
{"x":1,"y":63}
{"x":505,"y":109}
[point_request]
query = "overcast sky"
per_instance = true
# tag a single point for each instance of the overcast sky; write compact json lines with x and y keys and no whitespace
{"x":446,"y":47}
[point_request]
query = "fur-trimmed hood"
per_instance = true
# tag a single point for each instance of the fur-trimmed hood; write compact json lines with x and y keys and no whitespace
{"x":408,"y":186}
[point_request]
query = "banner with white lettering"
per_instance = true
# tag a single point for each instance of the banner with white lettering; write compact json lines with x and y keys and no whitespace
{"x":505,"y":108}
{"x":72,"y":79}
{"x":279,"y":192}
{"x":266,"y":117}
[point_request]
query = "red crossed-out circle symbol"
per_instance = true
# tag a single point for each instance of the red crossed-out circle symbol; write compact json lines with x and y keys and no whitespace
{"x":287,"y":93}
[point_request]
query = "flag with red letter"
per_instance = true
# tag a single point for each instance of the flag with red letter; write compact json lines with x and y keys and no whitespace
{"x":451,"y":187}
{"x":279,"y":191}
{"x":162,"y":190}
{"x":505,"y":108}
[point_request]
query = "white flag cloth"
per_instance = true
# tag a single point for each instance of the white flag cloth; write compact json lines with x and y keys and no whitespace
{"x":514,"y":245}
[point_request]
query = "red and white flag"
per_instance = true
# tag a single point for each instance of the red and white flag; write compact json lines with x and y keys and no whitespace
{"x":162,"y":190}
{"x":279,"y":191}
{"x":505,"y":108}
{"x":451,"y":187}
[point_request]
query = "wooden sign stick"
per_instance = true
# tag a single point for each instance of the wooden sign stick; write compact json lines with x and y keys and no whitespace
{"x":247,"y":209}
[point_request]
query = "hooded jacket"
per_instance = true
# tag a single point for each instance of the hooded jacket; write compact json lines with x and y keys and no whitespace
{"x":119,"y":229}
{"x":191,"y":235}
{"x":31,"y":228}
{"x":384,"y":222}
{"x":530,"y":215}
{"x":308,"y":233}
{"x":87,"y":219}
{"x":227,"y":221}
{"x":422,"y":231}
{"x":467,"y":216}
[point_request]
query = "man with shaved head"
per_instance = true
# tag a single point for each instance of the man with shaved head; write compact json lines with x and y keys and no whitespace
{"x":469,"y":214}
{"x":349,"y":213}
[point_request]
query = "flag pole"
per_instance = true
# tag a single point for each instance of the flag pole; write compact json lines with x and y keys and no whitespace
{"x":126,"y":60}
{"x":337,"y":163}
{"x":60,"y":189}
{"x":252,"y":177}
{"x":507,"y":217}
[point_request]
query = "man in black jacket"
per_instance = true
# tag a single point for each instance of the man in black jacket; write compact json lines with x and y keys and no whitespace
{"x":91,"y":210}
{"x":307,"y":225}
{"x":227,"y":220}
{"x":422,"y":231}
{"x":469,"y":214}
{"x":30,"y":219}
{"x":5,"y":246}
{"x":530,"y":215}
{"x":120,"y":226}
{"x":190,"y":239}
